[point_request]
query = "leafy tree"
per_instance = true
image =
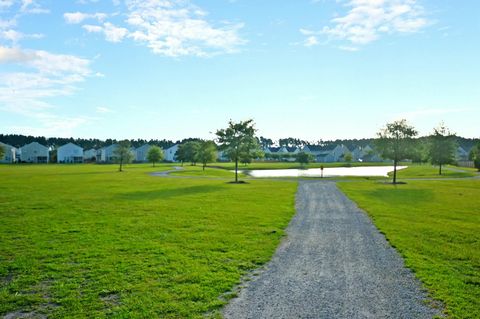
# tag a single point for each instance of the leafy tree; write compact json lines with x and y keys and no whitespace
{"x":348,"y":157}
{"x":180,"y":154}
{"x":475,"y":156}
{"x":155,"y":155}
{"x":238,"y":142}
{"x":265,"y":142}
{"x":123,"y":153}
{"x":2,"y":152}
{"x":187,"y":152}
{"x":304,"y":158}
{"x":395,"y":142}
{"x":442,"y":146}
{"x":207,"y":153}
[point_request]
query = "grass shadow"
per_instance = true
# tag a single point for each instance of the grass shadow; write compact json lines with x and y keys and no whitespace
{"x":170,"y":193}
{"x":400,"y":196}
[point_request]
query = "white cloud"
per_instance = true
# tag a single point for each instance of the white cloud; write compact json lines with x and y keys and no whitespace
{"x":168,"y":27}
{"x":103,"y":110}
{"x":311,"y":41}
{"x":367,"y":20}
{"x":42,"y":75}
{"x":92,"y":28}
{"x":112,"y":33}
{"x":79,"y":17}
{"x":15,"y":36}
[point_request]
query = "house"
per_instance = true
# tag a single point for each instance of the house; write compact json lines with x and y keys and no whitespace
{"x":319,"y":152}
{"x":70,"y":153}
{"x":365,"y":154}
{"x":10,"y":153}
{"x":337,"y":154}
{"x":34,"y":153}
{"x":170,"y":153}
{"x":106,"y":154}
{"x":140,"y":154}
{"x":90,"y":155}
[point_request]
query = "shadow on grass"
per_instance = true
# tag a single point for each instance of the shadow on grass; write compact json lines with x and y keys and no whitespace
{"x":170,"y":193}
{"x":400,"y":196}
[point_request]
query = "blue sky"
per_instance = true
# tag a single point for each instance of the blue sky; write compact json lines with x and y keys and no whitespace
{"x":312,"y":69}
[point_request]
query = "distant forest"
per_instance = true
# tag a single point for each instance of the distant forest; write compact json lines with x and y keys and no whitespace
{"x":17,"y":140}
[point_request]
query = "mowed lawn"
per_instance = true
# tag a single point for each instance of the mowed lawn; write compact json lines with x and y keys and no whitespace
{"x":435,"y":225}
{"x":88,"y":241}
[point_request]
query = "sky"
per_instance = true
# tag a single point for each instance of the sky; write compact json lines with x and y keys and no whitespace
{"x":310,"y":69}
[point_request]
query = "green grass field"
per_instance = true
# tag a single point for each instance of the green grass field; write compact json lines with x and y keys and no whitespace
{"x":429,"y":171}
{"x":88,"y":241}
{"x":435,"y":225}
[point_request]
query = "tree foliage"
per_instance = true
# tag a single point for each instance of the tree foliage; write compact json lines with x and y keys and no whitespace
{"x":475,"y":156}
{"x":395,"y":142}
{"x":238,"y":142}
{"x":442,"y":146}
{"x":123,"y":153}
{"x":155,"y":155}
{"x":206,"y":153}
{"x":304,"y":158}
{"x":187,"y":152}
{"x":2,"y":152}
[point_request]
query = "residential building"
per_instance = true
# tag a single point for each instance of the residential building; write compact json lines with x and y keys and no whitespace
{"x":170,"y":153}
{"x":140,"y":153}
{"x":70,"y":153}
{"x":90,"y":155}
{"x":34,"y":153}
{"x":10,"y":153}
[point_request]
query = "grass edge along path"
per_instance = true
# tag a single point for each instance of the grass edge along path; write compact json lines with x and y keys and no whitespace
{"x":435,"y":226}
{"x":87,"y":241}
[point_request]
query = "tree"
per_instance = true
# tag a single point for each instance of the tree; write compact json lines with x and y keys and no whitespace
{"x":475,"y":156}
{"x":188,"y":152}
{"x":348,"y":158}
{"x":155,"y":155}
{"x":304,"y":158}
{"x":2,"y":152}
{"x":442,"y":146}
{"x":395,"y":142}
{"x":238,"y":142}
{"x":123,"y":153}
{"x":207,"y":153}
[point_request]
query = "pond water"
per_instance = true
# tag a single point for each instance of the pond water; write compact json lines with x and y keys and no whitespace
{"x":327,"y":172}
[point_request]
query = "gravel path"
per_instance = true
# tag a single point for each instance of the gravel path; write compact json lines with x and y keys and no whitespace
{"x":333,"y":264}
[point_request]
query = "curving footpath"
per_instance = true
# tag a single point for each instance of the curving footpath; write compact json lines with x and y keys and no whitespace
{"x":334,"y":263}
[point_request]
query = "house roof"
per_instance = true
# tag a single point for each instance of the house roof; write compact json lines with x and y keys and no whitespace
{"x":70,"y":144}
{"x":35,"y":144}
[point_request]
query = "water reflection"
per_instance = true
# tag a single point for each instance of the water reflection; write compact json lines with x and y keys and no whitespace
{"x":327,"y":172}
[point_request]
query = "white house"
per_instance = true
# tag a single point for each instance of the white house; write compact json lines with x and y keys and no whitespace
{"x":141,"y":153}
{"x":106,"y":154}
{"x":70,"y":153}
{"x":10,"y":153}
{"x":89,"y":155}
{"x":34,"y":153}
{"x":365,"y":154}
{"x":170,"y":153}
{"x":337,"y":154}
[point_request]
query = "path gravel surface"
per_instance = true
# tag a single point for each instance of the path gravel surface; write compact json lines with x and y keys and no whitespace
{"x":333,"y":264}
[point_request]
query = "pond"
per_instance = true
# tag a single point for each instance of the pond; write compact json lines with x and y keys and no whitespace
{"x":327,"y":172}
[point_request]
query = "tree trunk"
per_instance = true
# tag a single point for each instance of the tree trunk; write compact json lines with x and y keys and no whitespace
{"x":120,"y":169}
{"x":204,"y":164}
{"x":440,"y":169}
{"x":236,"y":170}
{"x":394,"y":171}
